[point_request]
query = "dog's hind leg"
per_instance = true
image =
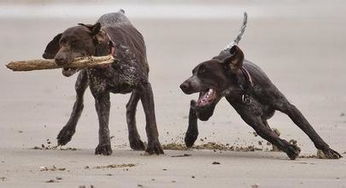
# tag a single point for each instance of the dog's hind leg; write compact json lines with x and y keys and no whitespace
{"x":147,"y":99}
{"x":134,"y":138}
{"x":66,"y":133}
{"x":192,"y":130}
{"x":297,"y":117}
{"x":256,"y":122}
{"x":265,"y":122}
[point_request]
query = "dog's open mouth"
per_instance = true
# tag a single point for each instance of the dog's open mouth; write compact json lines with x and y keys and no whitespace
{"x":206,"y":98}
{"x":69,"y":71}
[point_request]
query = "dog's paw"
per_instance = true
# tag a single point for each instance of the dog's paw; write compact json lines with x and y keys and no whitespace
{"x":137,"y":144}
{"x":65,"y":135}
{"x":190,"y":138}
{"x":293,"y":151}
{"x":154,"y":147}
{"x":331,"y":154}
{"x":103,"y":149}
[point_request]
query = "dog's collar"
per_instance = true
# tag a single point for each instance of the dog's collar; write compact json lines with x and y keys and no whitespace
{"x":247,"y":76}
{"x":247,"y":87}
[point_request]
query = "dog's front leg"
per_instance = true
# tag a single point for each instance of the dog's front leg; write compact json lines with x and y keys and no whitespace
{"x":192,"y":130}
{"x":66,"y":133}
{"x":102,"y":104}
{"x":147,"y":99}
{"x":298,"y":118}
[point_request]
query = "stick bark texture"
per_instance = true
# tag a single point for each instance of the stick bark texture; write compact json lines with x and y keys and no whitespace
{"x":42,"y":64}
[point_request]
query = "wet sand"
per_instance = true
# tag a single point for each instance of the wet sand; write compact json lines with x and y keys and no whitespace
{"x":302,"y":52}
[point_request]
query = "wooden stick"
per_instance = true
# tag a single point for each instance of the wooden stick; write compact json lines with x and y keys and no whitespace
{"x":41,"y":64}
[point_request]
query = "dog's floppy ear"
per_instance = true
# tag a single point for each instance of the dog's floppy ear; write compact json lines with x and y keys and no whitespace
{"x":235,"y":60}
{"x":52,"y":47}
{"x":94,"y":29}
{"x":96,"y":32}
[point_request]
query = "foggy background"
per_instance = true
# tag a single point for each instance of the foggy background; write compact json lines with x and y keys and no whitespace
{"x":300,"y":44}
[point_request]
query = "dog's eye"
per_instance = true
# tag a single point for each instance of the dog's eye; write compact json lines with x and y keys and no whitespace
{"x":62,"y":42}
{"x":74,"y":43}
{"x":202,"y":69}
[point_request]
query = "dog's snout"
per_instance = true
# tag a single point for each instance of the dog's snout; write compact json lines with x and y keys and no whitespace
{"x":185,"y":87}
{"x":59,"y":60}
{"x":46,"y":56}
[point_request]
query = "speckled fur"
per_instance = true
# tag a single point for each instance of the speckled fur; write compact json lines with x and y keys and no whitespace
{"x":129,"y":74}
{"x":255,"y":101}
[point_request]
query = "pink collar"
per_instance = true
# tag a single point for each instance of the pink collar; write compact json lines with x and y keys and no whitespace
{"x":247,"y":75}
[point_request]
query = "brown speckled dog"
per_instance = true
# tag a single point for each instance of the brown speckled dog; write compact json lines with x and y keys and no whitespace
{"x":112,"y":34}
{"x":251,"y":93}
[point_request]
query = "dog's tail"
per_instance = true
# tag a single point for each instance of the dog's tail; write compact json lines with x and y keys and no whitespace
{"x":240,"y":35}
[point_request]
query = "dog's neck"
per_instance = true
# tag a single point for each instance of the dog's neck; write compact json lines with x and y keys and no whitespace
{"x":247,"y":76}
{"x":104,"y":48}
{"x":244,"y":80}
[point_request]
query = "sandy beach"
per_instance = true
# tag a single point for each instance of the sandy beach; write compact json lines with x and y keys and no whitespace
{"x":301,"y":46}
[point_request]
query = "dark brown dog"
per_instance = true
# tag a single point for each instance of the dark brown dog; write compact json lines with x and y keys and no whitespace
{"x":247,"y":88}
{"x":112,"y":34}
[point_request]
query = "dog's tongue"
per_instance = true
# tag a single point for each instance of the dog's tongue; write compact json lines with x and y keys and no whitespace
{"x":206,"y":98}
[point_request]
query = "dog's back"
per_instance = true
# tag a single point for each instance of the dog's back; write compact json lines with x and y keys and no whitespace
{"x":123,"y":33}
{"x":114,"y":18}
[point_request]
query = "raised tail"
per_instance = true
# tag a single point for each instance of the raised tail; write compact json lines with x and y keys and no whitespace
{"x":240,"y":35}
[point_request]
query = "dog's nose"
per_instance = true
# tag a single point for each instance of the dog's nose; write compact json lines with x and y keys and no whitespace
{"x":47,"y":56}
{"x":184,"y":87}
